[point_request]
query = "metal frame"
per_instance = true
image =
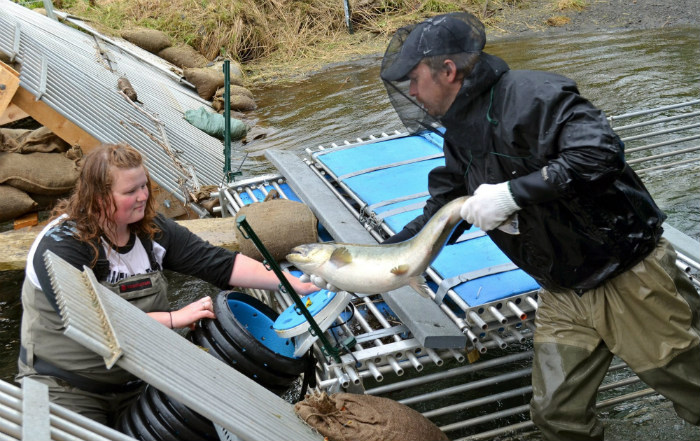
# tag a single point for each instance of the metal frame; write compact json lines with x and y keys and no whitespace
{"x":498,"y":332}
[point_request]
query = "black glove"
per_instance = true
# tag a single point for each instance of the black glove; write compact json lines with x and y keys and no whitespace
{"x":398,"y":237}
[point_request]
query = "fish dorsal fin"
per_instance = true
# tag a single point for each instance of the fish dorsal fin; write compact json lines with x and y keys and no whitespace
{"x":399,"y":270}
{"x":341,"y":256}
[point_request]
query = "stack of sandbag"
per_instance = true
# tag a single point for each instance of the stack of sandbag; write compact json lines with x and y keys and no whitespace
{"x":240,"y":99}
{"x":36,"y":169}
{"x":209,"y":81}
{"x":208,"y":78}
{"x":353,"y":417}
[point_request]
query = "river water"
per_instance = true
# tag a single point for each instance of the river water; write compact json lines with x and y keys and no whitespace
{"x":618,"y":71}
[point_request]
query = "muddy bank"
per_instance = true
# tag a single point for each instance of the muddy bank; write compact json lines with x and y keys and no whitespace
{"x":598,"y":15}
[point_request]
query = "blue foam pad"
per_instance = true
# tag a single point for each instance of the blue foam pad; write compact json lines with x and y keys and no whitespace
{"x":391,"y":183}
{"x":260,"y":326}
{"x":343,"y":161}
{"x":314,"y":303}
{"x":475,"y":254}
{"x":394,"y":182}
{"x":411,"y":179}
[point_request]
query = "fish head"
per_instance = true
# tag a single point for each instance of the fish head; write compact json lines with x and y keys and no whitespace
{"x":310,"y":256}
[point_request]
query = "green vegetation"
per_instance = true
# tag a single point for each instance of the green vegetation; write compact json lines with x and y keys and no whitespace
{"x":273,"y":37}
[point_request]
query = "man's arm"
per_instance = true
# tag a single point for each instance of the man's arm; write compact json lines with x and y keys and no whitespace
{"x":580,"y":150}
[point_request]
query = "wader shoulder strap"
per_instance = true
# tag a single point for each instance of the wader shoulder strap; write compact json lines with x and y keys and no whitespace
{"x":147,"y":243}
{"x":101,"y":268}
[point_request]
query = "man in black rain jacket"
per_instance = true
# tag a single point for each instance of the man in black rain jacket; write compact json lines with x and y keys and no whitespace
{"x":533,"y":152}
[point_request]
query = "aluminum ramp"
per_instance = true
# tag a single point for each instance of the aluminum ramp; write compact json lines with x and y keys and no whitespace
{"x":76,"y":73}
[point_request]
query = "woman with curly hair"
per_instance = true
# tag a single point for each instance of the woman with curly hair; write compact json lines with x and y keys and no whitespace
{"x":109,"y":224}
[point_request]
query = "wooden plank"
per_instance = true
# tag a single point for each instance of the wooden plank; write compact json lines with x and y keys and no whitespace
{"x":16,"y":243}
{"x":72,"y":134}
{"x":9,"y":83}
{"x":48,"y":117}
{"x":21,"y":99}
{"x":12,"y":114}
{"x":28,"y":220}
{"x":429,"y":325}
{"x":167,"y":204}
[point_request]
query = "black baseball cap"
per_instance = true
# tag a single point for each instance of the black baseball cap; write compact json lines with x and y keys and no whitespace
{"x":444,"y":34}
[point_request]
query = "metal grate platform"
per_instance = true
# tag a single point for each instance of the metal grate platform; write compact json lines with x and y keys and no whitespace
{"x":482,"y":389}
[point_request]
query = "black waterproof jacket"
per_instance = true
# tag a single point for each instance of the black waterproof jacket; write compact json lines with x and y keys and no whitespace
{"x":586,"y":216}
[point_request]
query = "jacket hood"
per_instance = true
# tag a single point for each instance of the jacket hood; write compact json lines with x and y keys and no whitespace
{"x":486,"y":72}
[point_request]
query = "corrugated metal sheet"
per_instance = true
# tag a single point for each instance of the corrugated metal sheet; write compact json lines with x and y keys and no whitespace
{"x":76,"y":74}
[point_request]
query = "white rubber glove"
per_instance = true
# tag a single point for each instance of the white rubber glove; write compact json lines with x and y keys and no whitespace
{"x":321,"y":283}
{"x":490,"y":206}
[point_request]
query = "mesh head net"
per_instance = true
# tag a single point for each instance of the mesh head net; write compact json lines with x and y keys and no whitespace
{"x":445,"y":34}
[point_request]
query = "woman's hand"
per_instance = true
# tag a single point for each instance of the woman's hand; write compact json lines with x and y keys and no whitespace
{"x":190,"y":314}
{"x":301,"y":288}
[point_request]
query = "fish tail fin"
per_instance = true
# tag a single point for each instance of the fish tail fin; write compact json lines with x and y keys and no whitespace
{"x":419,"y":284}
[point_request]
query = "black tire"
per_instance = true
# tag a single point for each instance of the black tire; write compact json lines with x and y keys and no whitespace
{"x":192,"y":419}
{"x":223,"y":339}
{"x":158,"y":427}
{"x":233,"y":357}
{"x":124,"y":424}
{"x":253,"y":348}
{"x":139,"y":425}
{"x":176,"y":426}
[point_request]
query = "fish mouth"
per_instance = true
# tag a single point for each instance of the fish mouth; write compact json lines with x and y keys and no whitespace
{"x":298,"y":254}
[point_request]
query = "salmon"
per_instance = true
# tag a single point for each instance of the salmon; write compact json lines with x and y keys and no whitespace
{"x":374,"y":269}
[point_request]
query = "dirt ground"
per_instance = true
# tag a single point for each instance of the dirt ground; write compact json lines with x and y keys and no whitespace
{"x":542,"y":15}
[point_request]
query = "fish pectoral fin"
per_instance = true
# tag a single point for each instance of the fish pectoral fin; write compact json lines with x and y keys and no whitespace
{"x":399,"y":270}
{"x":419,"y":284}
{"x":341,"y":256}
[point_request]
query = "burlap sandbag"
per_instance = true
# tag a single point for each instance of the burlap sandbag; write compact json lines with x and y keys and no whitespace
{"x":241,"y":99}
{"x":42,"y":173}
{"x":31,"y":141}
{"x":47,"y":202}
{"x":352,"y":417}
{"x":14,"y":203}
{"x":280,"y":224}
{"x":206,"y":80}
{"x":211,"y":78}
{"x":148,"y":39}
{"x":183,"y":56}
{"x":235,"y":71}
